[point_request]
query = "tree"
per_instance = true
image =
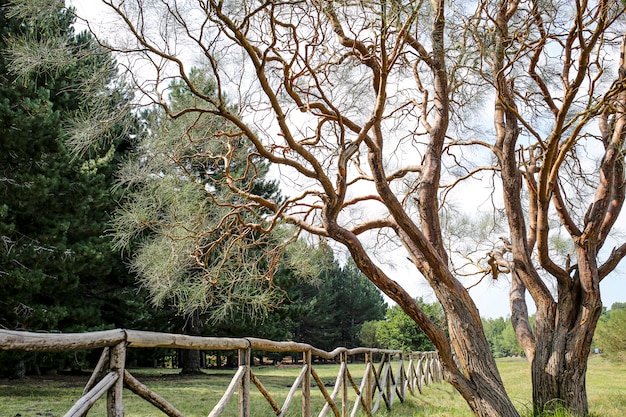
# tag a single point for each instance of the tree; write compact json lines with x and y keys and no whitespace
{"x":192,"y":251}
{"x":194,"y":262}
{"x":356,"y":301}
{"x":366,"y":109}
{"x":611,"y":334}
{"x":367,"y":334}
{"x":57,"y":272}
{"x":501,"y":337}
{"x":582,"y":110}
{"x":399,"y":331}
{"x":330,"y":311}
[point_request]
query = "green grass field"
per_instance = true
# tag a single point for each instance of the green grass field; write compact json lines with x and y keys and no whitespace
{"x":196,"y":395}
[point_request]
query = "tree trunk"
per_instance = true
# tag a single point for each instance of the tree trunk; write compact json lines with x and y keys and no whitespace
{"x":563,"y":341}
{"x":477,"y":379}
{"x":560,"y":384}
{"x":483,"y":390}
{"x":482,"y":386}
{"x":558,"y":375}
{"x":190,"y":360}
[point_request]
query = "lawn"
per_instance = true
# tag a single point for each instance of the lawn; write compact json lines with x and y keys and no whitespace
{"x":52,"y":396}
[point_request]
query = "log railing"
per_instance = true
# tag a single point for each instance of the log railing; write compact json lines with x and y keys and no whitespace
{"x":379,"y":381}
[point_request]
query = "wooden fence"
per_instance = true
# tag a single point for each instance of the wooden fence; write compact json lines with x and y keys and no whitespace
{"x":379,"y":381}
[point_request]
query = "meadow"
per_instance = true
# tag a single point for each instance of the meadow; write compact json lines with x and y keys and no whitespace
{"x":51,"y":396}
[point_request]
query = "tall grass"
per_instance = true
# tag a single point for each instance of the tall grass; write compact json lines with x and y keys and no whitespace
{"x":196,"y":395}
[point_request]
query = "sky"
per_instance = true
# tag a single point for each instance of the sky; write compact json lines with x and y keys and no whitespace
{"x":491,"y":296}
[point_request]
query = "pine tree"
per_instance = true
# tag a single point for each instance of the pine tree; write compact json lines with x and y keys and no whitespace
{"x":57,"y":271}
{"x":188,"y":256}
{"x":332,"y":311}
{"x":185,"y":256}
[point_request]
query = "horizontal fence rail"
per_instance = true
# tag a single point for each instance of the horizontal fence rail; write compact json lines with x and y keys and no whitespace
{"x":379,"y":381}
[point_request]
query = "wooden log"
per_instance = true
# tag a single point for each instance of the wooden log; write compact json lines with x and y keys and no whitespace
{"x":270,"y":345}
{"x":344,"y":386}
{"x":399,"y":380}
{"x":329,"y":401}
{"x":99,"y":370}
{"x":234,"y":383}
{"x":409,"y":377}
{"x":390,"y":384}
{"x":85,"y":402}
{"x":153,"y":398}
{"x":356,"y":351}
{"x":438,"y":369}
{"x":306,"y":385}
{"x":265,"y":393}
{"x":383,"y":381}
{"x":379,"y":382}
{"x":360,"y":397}
{"x":50,"y":342}
{"x":292,"y":391}
{"x":117,"y":361}
{"x":244,"y":386}
{"x":419,"y":374}
{"x":359,"y":394}
{"x":367,"y":377}
{"x":328,"y":355}
{"x":333,"y":396}
{"x":142,"y":339}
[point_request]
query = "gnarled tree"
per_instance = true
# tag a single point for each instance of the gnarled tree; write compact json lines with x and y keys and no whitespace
{"x":555,"y":104}
{"x":364,"y":108}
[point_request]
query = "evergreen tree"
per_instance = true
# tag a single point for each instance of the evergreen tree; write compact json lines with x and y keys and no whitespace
{"x":501,"y":337}
{"x":189,"y":256}
{"x":57,"y":272}
{"x":332,"y":311}
{"x":196,"y":269}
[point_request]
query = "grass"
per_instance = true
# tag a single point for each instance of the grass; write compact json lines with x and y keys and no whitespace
{"x":52,"y":396}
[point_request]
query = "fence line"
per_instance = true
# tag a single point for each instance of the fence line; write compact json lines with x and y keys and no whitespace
{"x":110,"y":376}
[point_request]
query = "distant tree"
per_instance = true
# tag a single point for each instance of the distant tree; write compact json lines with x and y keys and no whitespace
{"x":493,"y":333}
{"x":618,"y":306}
{"x":510,"y":344}
{"x":355,"y":300}
{"x":398,"y":331}
{"x":336,"y":305}
{"x":501,"y":337}
{"x":368,"y":334}
{"x":610,"y":336}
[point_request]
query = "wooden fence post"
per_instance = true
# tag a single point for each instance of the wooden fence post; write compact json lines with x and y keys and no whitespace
{"x":117,"y":360}
{"x":369,"y":368}
{"x":345,"y":409}
{"x":401,"y":379}
{"x":244,"y":386}
{"x":389,"y":382}
{"x":306,"y":385}
{"x":410,"y":373}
